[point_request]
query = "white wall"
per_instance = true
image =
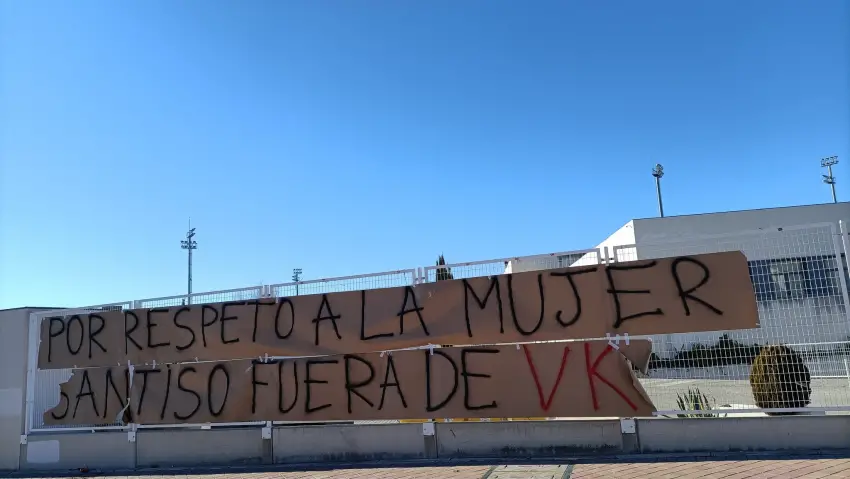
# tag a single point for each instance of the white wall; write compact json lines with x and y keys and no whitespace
{"x":314,"y":448}
{"x":537,"y":263}
{"x":623,"y":236}
{"x":806,"y":324}
{"x":761,"y":234}
{"x":672,"y":227}
{"x":14,"y":333}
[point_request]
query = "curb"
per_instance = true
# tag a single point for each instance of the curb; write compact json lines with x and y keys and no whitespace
{"x":485,"y":461}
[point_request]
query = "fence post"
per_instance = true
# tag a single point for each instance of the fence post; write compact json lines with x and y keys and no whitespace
{"x":842,"y":278}
{"x":32,"y":366}
{"x":847,"y":371}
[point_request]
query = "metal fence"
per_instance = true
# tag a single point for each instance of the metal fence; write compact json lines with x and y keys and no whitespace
{"x":390,"y":279}
{"x":513,"y":265}
{"x":800,"y":279}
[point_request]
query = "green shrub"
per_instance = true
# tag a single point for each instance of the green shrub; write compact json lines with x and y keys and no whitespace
{"x":694,"y":400}
{"x":780,"y":379}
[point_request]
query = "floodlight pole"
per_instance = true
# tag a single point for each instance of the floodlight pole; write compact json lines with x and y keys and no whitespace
{"x":828,"y":178}
{"x":189,"y":244}
{"x":296,"y":276}
{"x":658,"y":172}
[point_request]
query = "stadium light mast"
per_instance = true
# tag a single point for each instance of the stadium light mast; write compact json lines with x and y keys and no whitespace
{"x":296,"y":276}
{"x":828,"y":178}
{"x":658,"y":172}
{"x":189,"y":244}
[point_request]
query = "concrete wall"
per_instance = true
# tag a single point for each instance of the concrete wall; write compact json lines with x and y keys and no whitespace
{"x":807,"y":320}
{"x":672,"y":227}
{"x":77,"y":450}
{"x":187,"y":447}
{"x":349,"y":443}
{"x":163,"y":448}
{"x":13,"y":379}
{"x":537,"y":263}
{"x":528,"y":438}
{"x":623,"y":236}
{"x":688,"y":228}
{"x":813,"y":319}
{"x":400,"y":442}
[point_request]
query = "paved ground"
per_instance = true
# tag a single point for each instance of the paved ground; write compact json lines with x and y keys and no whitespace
{"x":825,"y":392}
{"x":808,"y":468}
{"x":831,"y":468}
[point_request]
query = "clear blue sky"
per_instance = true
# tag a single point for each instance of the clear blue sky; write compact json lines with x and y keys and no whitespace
{"x":348,"y":137}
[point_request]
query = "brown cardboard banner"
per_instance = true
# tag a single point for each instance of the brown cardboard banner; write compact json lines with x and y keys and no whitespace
{"x":563,"y":379}
{"x":709,"y":292}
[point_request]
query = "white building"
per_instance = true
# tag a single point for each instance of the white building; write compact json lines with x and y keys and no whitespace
{"x":674,"y":228}
{"x":536,"y":263}
{"x":794,"y":262}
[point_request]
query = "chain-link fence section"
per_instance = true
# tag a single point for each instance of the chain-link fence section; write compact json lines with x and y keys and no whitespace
{"x":800,"y":281}
{"x":512,"y":265}
{"x":43,"y":384}
{"x":507,"y":266}
{"x":389,"y":279}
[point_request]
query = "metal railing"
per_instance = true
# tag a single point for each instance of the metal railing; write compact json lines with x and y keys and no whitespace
{"x":807,"y":311}
{"x":800,"y":282}
{"x":43,"y":385}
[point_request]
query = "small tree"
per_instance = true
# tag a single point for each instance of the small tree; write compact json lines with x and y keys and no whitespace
{"x":780,"y":379}
{"x":443,"y":273}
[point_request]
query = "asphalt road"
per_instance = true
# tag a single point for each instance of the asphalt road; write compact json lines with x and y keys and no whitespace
{"x":825,"y":392}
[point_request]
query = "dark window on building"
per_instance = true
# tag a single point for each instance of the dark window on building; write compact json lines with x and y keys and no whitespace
{"x":789,"y":278}
{"x":797,"y":278}
{"x":846,"y":270}
{"x":762,"y":282}
{"x":567,"y":260}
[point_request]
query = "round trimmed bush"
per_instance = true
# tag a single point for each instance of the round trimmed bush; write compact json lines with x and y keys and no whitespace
{"x":780,"y":379}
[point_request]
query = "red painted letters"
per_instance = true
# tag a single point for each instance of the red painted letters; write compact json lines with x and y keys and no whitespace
{"x":546,"y":403}
{"x":591,"y":372}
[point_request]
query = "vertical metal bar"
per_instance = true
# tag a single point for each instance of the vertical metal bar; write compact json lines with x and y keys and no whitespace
{"x":658,"y":191}
{"x":842,"y":229}
{"x":832,"y":183}
{"x":847,"y":371}
{"x":189,"y":299}
{"x":32,"y":366}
